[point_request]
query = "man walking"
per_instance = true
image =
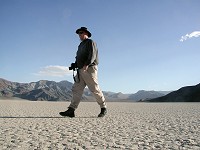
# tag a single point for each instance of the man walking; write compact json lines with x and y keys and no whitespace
{"x":86,"y":61}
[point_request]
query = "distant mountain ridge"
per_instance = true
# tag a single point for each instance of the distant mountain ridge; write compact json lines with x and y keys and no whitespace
{"x":184,"y":94}
{"x":142,"y":95}
{"x":45,"y":90}
{"x":41,"y":90}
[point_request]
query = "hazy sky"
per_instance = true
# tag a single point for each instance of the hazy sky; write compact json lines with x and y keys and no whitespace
{"x":143,"y":44}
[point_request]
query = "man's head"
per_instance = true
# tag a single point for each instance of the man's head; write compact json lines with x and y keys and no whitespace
{"x":83,"y":33}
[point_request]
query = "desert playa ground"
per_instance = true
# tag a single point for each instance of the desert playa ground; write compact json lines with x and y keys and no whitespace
{"x":38,"y":126}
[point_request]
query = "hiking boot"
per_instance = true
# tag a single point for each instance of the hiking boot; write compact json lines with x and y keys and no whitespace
{"x":103,"y":112}
{"x":68,"y":113}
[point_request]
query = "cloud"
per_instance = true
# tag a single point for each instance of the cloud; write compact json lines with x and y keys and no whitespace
{"x":188,"y":36}
{"x":54,"y":71}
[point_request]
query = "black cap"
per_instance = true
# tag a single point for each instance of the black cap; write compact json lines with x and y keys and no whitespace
{"x":85,"y":30}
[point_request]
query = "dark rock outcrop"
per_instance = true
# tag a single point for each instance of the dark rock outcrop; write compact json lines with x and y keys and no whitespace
{"x":185,"y":94}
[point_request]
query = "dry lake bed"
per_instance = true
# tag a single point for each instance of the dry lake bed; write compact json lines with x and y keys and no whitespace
{"x":31,"y":125}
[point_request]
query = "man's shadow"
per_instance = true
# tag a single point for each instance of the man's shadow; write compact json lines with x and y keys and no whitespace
{"x":32,"y":117}
{"x":27,"y":117}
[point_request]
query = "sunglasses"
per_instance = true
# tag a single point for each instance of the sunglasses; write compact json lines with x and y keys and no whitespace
{"x":81,"y":32}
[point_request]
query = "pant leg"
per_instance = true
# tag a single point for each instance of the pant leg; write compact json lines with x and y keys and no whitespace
{"x":91,"y":80}
{"x":77,"y":92}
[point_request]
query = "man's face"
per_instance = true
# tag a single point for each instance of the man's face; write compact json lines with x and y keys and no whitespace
{"x":82,"y":35}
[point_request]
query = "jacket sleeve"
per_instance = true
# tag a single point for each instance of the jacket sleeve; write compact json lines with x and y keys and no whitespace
{"x":92,"y":52}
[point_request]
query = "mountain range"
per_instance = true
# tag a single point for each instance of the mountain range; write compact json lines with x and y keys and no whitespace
{"x":184,"y":94}
{"x":45,"y":90}
{"x":41,"y":90}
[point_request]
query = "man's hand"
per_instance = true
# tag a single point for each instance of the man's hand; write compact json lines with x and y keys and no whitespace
{"x":85,"y":68}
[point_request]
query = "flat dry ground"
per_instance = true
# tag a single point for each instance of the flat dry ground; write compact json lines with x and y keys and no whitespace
{"x":37,"y":125}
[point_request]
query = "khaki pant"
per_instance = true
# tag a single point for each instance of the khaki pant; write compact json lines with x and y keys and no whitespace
{"x":88,"y":78}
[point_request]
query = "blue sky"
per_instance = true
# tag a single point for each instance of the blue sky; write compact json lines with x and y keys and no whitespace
{"x":143,"y":45}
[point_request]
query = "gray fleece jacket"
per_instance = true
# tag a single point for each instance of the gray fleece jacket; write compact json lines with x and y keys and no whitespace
{"x":87,"y":54}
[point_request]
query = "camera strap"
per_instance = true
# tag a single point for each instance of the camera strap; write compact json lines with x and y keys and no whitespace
{"x":74,"y":77}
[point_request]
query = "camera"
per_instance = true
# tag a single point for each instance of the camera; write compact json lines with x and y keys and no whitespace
{"x":73,"y":66}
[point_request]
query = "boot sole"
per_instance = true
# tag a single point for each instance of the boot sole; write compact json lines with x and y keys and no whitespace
{"x":66,"y":115}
